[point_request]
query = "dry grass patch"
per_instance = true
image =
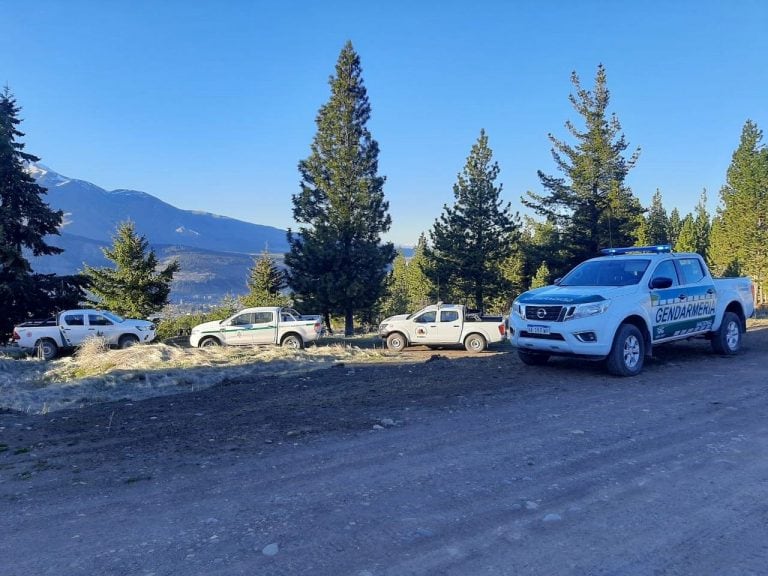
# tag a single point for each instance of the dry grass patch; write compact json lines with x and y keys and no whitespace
{"x":98,"y":374}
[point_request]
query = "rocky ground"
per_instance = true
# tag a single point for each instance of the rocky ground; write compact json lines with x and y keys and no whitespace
{"x":446,"y":464}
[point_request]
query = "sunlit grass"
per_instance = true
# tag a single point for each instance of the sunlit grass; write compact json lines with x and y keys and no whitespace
{"x":96,"y":373}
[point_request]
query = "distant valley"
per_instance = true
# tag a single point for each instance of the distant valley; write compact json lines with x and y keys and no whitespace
{"x":215,"y":252}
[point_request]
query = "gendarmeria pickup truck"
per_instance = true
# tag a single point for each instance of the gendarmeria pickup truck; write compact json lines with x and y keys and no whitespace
{"x":619,"y":306}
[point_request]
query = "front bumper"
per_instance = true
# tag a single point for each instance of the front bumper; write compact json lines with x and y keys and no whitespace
{"x":583,"y":337}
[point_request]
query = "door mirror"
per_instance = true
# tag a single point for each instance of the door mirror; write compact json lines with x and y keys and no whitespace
{"x":660,"y":283}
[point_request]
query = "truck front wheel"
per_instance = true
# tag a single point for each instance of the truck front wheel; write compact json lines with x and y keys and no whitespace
{"x":127,"y":340}
{"x":46,"y":349}
{"x":627,"y":353}
{"x":474,"y":343}
{"x":396,"y":342}
{"x":727,"y":340}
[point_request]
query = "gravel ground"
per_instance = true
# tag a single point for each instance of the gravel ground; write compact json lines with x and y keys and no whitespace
{"x":447,"y":464}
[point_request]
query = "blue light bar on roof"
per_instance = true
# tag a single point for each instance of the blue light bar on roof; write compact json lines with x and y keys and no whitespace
{"x":658,"y":249}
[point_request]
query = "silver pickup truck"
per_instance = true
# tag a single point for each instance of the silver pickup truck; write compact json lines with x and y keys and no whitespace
{"x":620,"y":305}
{"x":442,"y":325}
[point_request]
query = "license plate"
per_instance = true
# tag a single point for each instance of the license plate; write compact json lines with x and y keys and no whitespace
{"x":538,"y":329}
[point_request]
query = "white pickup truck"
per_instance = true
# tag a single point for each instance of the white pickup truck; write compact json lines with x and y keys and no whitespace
{"x":255,"y":326}
{"x":618,"y":306}
{"x":72,"y":327}
{"x":442,"y":325}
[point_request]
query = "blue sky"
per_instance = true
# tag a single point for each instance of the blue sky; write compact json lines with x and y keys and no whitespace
{"x":209,"y":105}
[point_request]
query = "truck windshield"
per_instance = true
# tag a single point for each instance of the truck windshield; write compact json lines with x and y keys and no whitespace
{"x":114,"y":317}
{"x":613,"y":272}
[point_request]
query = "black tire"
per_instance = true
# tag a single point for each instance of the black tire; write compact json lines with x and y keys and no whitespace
{"x":532,"y":358}
{"x":474,"y":343}
{"x":46,"y":349}
{"x":727,"y":339}
{"x":292,"y":341}
{"x":627,"y":353}
{"x":208,"y":342}
{"x":396,"y":342}
{"x":127,"y":340}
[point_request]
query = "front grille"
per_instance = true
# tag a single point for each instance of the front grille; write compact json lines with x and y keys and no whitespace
{"x":544,"y":313}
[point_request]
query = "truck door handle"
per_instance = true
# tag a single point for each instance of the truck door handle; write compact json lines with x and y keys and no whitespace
{"x":710,"y":291}
{"x":682,"y":297}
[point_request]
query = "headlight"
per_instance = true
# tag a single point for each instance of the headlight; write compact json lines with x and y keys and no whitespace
{"x":587,"y":310}
{"x":517,"y":309}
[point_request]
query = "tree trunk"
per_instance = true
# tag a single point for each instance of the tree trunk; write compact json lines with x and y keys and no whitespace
{"x":349,"y":323}
{"x":327,"y":319}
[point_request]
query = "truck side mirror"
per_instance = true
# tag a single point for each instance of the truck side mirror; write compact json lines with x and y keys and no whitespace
{"x":660,"y":283}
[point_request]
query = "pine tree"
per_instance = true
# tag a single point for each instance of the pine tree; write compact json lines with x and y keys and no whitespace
{"x":420,"y":288}
{"x":25,"y":219}
{"x":739,"y":237}
{"x":590,"y":203}
{"x":687,"y":240}
{"x":266,"y":283}
{"x":337,"y":261}
{"x":674,"y":226}
{"x":396,"y":300}
{"x":473,"y":237}
{"x":702,"y":226}
{"x":542,"y":276}
{"x":134,"y":287}
{"x":654,"y":228}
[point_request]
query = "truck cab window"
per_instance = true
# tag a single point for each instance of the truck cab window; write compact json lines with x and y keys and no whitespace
{"x":449,"y":315}
{"x":691,"y":270}
{"x":666,"y":270}
{"x":426,"y":318}
{"x":74,"y":320}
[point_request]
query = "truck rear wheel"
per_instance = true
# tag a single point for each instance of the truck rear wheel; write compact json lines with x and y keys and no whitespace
{"x":627,"y":353}
{"x":46,"y":349}
{"x":396,"y":342}
{"x":474,"y":343}
{"x":727,"y":339}
{"x":292,"y":341}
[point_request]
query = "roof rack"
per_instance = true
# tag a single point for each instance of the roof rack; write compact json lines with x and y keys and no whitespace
{"x":658,"y":249}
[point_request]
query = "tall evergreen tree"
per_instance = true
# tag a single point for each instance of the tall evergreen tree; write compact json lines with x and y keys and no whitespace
{"x":674,"y":225}
{"x":25,"y":219}
{"x":702,"y":226}
{"x":134,"y":287}
{"x":396,"y":300}
{"x":687,"y":240}
{"x":542,"y":276}
{"x":473,"y":237}
{"x":654,"y":228}
{"x":337,"y":261}
{"x":590,"y":203}
{"x":739,"y":239}
{"x":266,"y":283}
{"x":420,"y":288}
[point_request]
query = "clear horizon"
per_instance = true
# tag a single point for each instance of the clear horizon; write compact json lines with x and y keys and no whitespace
{"x":210,"y":106}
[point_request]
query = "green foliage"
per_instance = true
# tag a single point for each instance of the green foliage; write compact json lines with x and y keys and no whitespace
{"x":542,"y":276}
{"x":674,"y":225}
{"x":740,"y":230}
{"x":686,"y":240}
{"x":265,"y":284}
{"x":408,"y":286}
{"x":25,"y":221}
{"x":654,"y":227}
{"x":177,"y":325}
{"x":133,"y":288}
{"x":590,"y":204}
{"x":337,"y":262}
{"x":471,"y":239}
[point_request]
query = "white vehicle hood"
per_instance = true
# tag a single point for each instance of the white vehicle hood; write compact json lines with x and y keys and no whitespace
{"x":214,"y":325}
{"x":567,"y":295}
{"x":396,"y":318}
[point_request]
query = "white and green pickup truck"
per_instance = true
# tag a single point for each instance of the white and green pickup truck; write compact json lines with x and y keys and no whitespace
{"x":256,"y":326}
{"x":620,"y":305}
{"x":442,"y":325}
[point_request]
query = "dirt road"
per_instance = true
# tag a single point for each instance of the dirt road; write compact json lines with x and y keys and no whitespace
{"x":455,"y":465}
